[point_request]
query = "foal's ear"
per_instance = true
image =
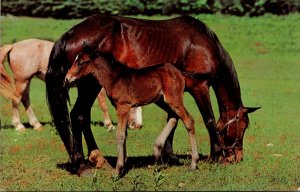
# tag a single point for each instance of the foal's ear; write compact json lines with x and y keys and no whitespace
{"x":250,"y":109}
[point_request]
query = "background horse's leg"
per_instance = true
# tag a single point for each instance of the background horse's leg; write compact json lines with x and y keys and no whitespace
{"x":88,"y":89}
{"x":26,"y":102}
{"x":107,"y":121}
{"x":16,"y":121}
{"x":200,"y":93}
{"x":135,"y":118}
{"x":122,"y":112}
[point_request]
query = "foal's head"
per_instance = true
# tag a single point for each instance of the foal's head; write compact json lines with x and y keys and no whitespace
{"x":83,"y":65}
{"x":231,"y":128}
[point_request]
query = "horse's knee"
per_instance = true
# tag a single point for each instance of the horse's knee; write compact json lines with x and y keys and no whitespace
{"x":210,"y":123}
{"x":77,"y":117}
{"x":190,"y":124}
{"x":121,"y":138}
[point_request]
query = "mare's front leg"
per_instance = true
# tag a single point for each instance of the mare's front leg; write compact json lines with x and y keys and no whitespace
{"x":200,"y":92}
{"x":122,"y":113}
{"x":88,"y":89}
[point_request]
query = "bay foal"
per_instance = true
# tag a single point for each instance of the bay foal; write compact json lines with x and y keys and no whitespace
{"x":161,"y":84}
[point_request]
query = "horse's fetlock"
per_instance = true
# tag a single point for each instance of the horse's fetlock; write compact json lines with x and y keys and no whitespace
{"x":210,"y":123}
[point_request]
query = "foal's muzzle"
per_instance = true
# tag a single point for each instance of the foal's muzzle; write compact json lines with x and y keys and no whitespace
{"x":69,"y":81}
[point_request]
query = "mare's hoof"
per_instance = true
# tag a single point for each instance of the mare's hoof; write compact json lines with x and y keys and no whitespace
{"x":68,"y":167}
{"x":85,"y":171}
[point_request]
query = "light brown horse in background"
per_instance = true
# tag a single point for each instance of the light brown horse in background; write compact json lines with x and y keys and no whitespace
{"x":126,"y":88}
{"x":29,"y":58}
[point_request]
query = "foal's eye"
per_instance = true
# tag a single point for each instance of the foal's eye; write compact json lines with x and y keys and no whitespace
{"x":80,"y":63}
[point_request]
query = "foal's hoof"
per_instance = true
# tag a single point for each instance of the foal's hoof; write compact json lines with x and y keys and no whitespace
{"x":20,"y":127}
{"x":21,"y":130}
{"x":193,"y":166}
{"x":38,"y":128}
{"x":99,"y":161}
{"x":135,"y":126}
{"x":110,"y":128}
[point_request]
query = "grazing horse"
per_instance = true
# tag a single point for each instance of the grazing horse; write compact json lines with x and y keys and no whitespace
{"x":185,"y":42}
{"x":127,"y":88}
{"x":29,"y":58}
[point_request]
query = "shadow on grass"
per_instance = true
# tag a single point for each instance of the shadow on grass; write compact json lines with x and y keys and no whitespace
{"x":132,"y":163}
{"x":27,"y":125}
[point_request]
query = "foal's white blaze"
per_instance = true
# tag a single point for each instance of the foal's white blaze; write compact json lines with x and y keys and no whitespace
{"x":76,"y":58}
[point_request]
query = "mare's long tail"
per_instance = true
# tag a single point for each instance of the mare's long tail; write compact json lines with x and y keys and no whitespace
{"x":57,"y":93}
{"x":7,"y":87}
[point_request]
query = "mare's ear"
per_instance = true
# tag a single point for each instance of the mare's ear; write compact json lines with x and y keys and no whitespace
{"x":94,"y":55}
{"x":86,"y":47}
{"x":250,"y":109}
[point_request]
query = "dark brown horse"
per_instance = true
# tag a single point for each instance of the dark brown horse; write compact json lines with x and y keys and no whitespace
{"x":127,"y":88}
{"x":185,"y":42}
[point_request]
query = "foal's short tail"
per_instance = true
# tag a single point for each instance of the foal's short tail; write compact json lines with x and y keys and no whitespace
{"x":7,"y":87}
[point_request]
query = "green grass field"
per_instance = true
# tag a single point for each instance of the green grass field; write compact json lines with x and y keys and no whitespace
{"x":265,"y":51}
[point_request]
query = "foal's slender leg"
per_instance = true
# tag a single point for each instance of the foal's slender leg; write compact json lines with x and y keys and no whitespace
{"x":161,"y":151}
{"x":107,"y":121}
{"x":176,"y":104}
{"x":135,"y":118}
{"x":88,"y":89}
{"x":26,"y":102}
{"x":200,"y":92}
{"x":16,"y":121}
{"x":122,"y":112}
{"x":161,"y":139}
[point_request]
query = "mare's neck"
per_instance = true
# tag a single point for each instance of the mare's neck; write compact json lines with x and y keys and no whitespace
{"x":228,"y":93}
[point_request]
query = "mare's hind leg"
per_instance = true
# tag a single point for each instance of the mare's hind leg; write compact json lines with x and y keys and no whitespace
{"x":200,"y":92}
{"x":176,"y":104}
{"x":88,"y":89}
{"x":33,"y":121}
{"x":16,"y":121}
{"x":107,"y":121}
